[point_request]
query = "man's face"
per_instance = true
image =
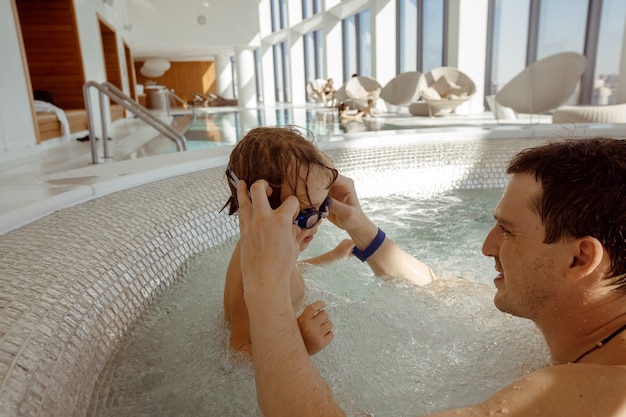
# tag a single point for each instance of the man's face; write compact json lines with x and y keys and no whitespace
{"x":530,"y":271}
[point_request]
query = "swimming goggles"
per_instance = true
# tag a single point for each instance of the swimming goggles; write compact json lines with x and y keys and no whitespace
{"x":307,"y":218}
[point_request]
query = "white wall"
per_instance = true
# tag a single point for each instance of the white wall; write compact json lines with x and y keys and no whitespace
{"x":16,"y":120}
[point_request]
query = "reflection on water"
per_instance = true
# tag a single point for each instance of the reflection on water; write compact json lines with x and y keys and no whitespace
{"x":226,"y":127}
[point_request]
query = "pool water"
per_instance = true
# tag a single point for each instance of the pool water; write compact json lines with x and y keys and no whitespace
{"x":227,"y":127}
{"x":398,"y":350}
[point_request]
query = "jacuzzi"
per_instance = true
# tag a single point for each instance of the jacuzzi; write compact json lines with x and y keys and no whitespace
{"x":74,"y":281}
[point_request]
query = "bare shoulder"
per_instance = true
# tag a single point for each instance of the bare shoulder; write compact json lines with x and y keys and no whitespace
{"x":573,"y":390}
{"x":568,"y":390}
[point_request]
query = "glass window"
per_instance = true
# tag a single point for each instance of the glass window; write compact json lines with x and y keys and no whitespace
{"x":319,"y":54}
{"x":258,"y":76}
{"x":349,"y":47}
{"x":275,"y":17}
{"x":283,"y":13}
{"x":286,"y":76}
{"x":233,"y":75}
{"x":357,"y":44}
{"x":309,"y":57}
{"x":278,"y":72}
{"x":407,"y":10}
{"x":510,"y":41}
{"x":433,"y":26}
{"x":279,"y":14}
{"x":609,"y":51}
{"x":310,"y":7}
{"x":313,"y":55}
{"x":365,"y":43}
{"x":421,"y":34}
{"x":562,"y":26}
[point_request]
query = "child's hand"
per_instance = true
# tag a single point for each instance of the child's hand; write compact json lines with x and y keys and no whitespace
{"x":344,"y":248}
{"x":316,"y":327}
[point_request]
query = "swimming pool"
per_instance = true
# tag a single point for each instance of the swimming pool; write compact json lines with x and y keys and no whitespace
{"x":75,"y":281}
{"x":211,"y":128}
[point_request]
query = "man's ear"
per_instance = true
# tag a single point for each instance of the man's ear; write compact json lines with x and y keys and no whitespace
{"x":588,"y":256}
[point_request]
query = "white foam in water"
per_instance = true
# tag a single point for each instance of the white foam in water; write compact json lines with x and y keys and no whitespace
{"x":398,"y":349}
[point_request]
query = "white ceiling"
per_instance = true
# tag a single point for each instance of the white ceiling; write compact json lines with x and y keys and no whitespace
{"x":173,"y":29}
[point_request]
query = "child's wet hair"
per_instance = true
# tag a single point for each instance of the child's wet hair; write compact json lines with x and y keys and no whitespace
{"x":273,"y":154}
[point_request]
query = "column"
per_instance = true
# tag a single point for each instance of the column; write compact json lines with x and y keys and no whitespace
{"x":223,"y":76}
{"x":246,"y":84}
{"x":333,"y":48}
{"x":267,"y":63}
{"x":296,"y":68}
{"x":383,"y":14}
{"x":467,"y":46}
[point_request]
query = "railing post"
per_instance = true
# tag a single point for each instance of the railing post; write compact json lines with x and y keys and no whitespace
{"x":105,"y":133}
{"x":119,"y":97}
{"x":90,"y":123}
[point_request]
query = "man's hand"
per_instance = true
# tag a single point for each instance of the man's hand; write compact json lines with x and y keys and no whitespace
{"x":269,"y":248}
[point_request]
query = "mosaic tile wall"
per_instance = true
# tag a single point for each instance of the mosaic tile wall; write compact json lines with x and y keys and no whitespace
{"x":73,"y":282}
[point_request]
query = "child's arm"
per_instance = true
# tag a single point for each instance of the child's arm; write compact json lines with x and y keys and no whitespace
{"x":342,"y":250}
{"x":235,"y":308}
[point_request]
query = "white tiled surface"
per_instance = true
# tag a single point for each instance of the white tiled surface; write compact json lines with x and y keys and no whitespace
{"x":74,"y":281}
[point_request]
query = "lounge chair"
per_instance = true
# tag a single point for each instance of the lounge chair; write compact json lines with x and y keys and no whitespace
{"x":612,"y":113}
{"x":357,"y":90}
{"x":443,"y":89}
{"x":402,"y":90}
{"x":315,"y":94}
{"x":543,"y":85}
{"x":212,"y":100}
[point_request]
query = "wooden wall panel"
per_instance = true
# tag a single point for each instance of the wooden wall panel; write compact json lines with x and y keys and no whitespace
{"x":130,"y":69}
{"x":185,"y":78}
{"x":52,"y":50}
{"x":111,"y":54}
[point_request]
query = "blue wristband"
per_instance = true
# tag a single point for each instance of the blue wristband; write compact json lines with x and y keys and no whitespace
{"x":373,"y":247}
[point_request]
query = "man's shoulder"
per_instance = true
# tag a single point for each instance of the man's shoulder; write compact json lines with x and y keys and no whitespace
{"x":573,"y":390}
{"x":571,"y":382}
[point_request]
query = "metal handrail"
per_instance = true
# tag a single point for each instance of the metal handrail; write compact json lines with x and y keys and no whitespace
{"x":118,"y":96}
{"x":176,"y":97}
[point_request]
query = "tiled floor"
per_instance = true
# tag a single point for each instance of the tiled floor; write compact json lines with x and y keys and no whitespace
{"x":39,"y":180}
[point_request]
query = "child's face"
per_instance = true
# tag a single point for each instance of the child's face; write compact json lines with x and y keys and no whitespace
{"x":318,"y":185}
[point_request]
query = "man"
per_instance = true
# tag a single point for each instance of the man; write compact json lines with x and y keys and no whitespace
{"x":559,"y":245}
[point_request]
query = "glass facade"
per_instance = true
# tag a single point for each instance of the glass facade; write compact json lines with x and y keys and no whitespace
{"x":509,"y":48}
{"x":281,"y":72}
{"x":279,"y":14}
{"x":313,"y":55}
{"x":519,"y":33}
{"x":421,"y":34}
{"x":609,"y":52}
{"x":562,"y":25}
{"x":258,"y":78}
{"x":310,"y":8}
{"x":553,"y":26}
{"x":407,"y":35}
{"x":357,"y":44}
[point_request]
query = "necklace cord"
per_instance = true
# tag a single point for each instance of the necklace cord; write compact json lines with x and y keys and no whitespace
{"x":601,"y":343}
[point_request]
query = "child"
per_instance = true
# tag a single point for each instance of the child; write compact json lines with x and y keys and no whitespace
{"x":292,"y":166}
